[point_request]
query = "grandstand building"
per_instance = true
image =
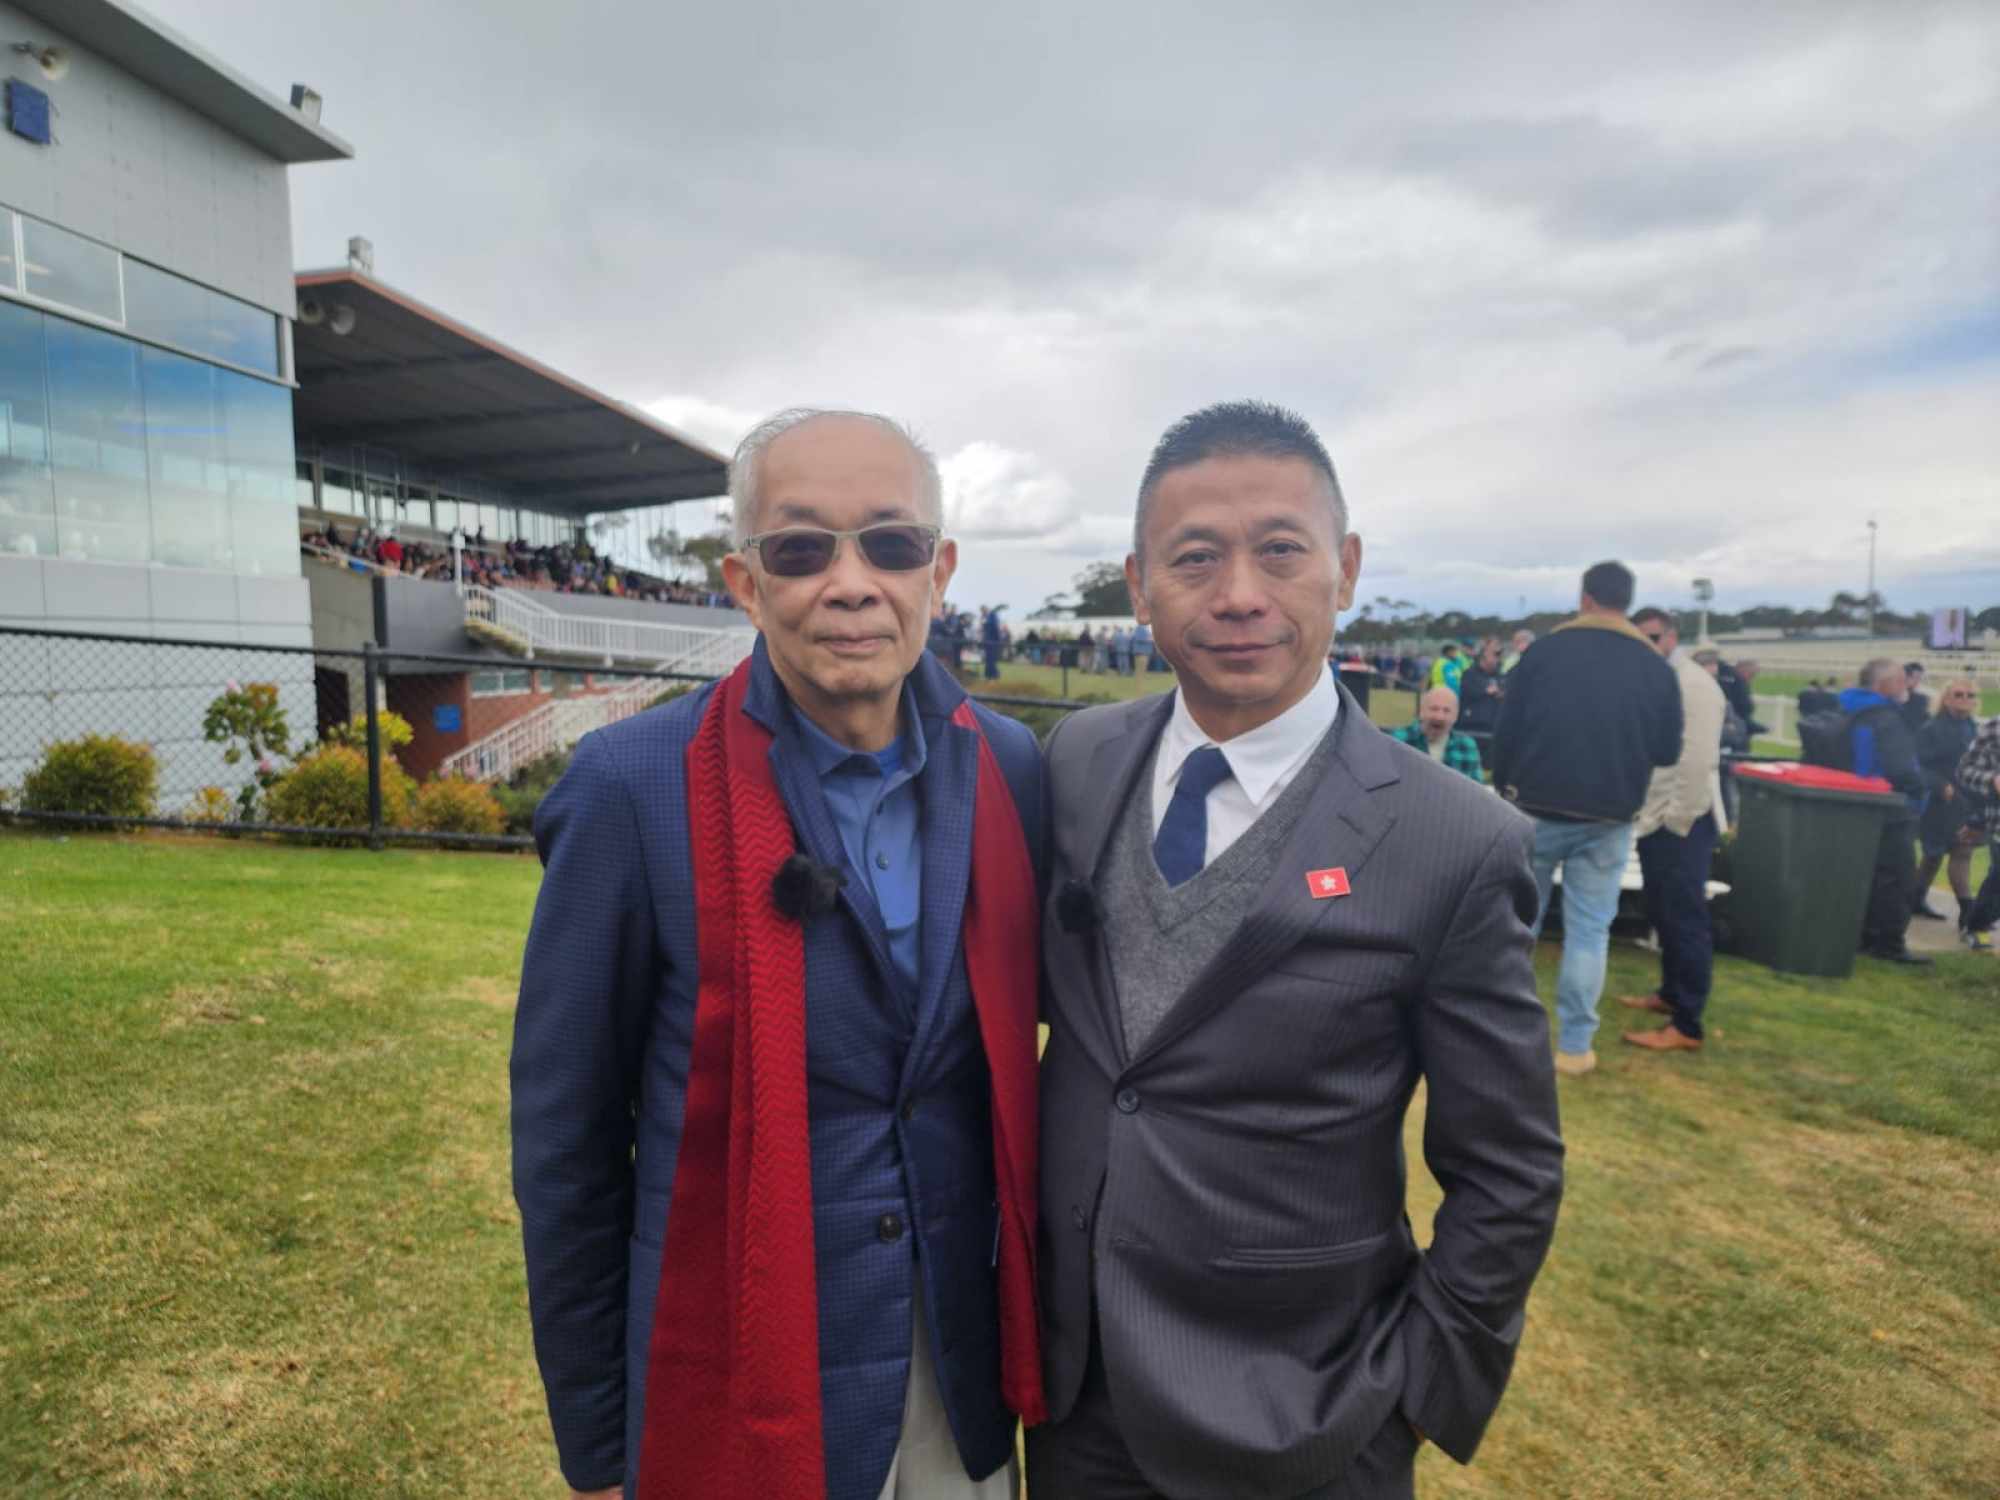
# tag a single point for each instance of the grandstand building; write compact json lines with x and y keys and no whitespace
{"x":146,"y":367}
{"x":412,"y":425}
{"x":179,"y":409}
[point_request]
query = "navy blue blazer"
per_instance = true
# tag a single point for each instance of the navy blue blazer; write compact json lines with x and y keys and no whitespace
{"x":898,"y":1091}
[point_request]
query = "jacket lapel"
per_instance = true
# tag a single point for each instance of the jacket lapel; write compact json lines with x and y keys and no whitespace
{"x":1110,"y":781}
{"x":946,"y":790}
{"x":1114,"y":766}
{"x":1340,"y":826}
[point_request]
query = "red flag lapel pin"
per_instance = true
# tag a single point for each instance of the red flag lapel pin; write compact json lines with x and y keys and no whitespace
{"x":1327,"y":883}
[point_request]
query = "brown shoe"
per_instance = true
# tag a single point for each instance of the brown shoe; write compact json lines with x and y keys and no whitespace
{"x":1652,"y":1002}
{"x":1667,"y":1038}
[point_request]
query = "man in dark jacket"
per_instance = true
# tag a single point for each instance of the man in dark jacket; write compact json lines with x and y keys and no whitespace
{"x":1735,"y":684}
{"x":1882,"y":745}
{"x":1917,"y":707}
{"x":1589,"y":713}
{"x":1480,"y":691}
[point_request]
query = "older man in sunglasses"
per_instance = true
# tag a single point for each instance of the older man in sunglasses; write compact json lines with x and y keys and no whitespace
{"x":774,"y":1062}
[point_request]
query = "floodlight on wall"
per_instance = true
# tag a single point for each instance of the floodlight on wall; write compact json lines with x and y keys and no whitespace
{"x":312,"y":311}
{"x":361,"y":255}
{"x":306,"y":100}
{"x":341,"y":319}
{"x":53,"y":61}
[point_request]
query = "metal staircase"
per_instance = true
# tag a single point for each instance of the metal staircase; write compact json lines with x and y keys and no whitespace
{"x":507,"y":620}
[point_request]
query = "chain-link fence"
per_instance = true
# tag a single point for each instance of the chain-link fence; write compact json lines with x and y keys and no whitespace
{"x":365,"y":746}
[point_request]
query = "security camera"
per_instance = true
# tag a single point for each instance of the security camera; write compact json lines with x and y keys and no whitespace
{"x":312,"y":311}
{"x":341,"y":319}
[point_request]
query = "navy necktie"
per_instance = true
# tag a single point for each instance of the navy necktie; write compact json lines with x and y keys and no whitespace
{"x":1182,"y":843}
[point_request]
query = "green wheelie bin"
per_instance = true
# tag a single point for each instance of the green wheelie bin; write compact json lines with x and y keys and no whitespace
{"x":1802,"y":862}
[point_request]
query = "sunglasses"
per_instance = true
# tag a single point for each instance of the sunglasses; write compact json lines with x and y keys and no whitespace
{"x":801,"y":551}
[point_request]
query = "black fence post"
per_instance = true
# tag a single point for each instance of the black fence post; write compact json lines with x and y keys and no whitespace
{"x":369,"y":679}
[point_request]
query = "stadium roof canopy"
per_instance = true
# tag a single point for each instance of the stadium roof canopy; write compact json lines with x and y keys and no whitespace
{"x":180,"y":69}
{"x":407,"y":378}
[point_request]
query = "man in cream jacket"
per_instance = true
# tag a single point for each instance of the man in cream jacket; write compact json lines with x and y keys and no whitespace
{"x":1677,"y":830}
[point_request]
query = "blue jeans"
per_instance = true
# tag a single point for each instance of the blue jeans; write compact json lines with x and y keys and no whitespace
{"x":1592,"y":857}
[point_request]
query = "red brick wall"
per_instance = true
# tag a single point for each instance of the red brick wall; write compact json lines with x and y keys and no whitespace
{"x":416,"y":698}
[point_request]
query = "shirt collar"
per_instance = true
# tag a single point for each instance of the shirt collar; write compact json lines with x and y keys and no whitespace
{"x":828,"y":755}
{"x":1258,"y":757}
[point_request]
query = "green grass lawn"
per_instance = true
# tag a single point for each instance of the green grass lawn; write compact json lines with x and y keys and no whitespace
{"x":256,"y":1235}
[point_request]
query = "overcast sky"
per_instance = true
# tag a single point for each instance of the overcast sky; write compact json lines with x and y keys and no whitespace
{"x":1701,"y":286}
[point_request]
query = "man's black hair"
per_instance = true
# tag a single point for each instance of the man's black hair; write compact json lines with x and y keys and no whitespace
{"x":1653,"y":612}
{"x":1449,"y":647}
{"x":1235,"y":429}
{"x":1611,"y":584}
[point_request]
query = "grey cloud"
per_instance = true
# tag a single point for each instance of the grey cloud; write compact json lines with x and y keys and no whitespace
{"x":1480,"y":245}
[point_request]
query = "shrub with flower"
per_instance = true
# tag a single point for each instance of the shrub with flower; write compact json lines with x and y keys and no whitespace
{"x":392,"y":727}
{"x":248,"y":720}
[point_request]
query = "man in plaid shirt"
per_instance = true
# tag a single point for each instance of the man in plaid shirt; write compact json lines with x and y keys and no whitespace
{"x":1431,"y":732}
{"x":1978,"y":778}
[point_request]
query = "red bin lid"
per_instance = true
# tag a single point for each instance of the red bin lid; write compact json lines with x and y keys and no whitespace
{"x":1820,"y":778}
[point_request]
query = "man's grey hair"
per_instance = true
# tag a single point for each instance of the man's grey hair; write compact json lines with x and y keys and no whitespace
{"x":1430,"y":693}
{"x":1876,"y":668}
{"x":1236,"y":429}
{"x":743,"y":476}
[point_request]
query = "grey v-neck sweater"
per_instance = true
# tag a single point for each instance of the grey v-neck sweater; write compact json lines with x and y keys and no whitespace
{"x":1159,"y":937}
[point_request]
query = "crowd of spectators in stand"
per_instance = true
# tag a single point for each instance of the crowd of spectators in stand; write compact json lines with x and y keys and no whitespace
{"x":563,"y":568}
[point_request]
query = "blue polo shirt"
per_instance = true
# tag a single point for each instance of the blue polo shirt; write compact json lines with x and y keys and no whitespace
{"x":873,"y":799}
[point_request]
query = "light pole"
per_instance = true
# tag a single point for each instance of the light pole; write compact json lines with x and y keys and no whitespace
{"x":1871,"y":580}
{"x":1704,"y":591}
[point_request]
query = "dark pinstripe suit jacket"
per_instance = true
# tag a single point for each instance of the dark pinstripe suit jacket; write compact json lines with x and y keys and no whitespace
{"x":1232,"y":1197}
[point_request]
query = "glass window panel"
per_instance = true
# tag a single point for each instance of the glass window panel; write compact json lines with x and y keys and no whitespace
{"x":70,"y":269}
{"x":336,"y":493}
{"x":184,"y":452}
{"x":27,"y":492}
{"x":10,"y":269}
{"x":242,"y":334}
{"x":257,"y":442}
{"x":162,"y":306}
{"x":97,"y":440}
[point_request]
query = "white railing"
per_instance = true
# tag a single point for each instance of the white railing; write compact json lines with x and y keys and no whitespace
{"x":512,"y":619}
{"x":1779,"y":716}
{"x":556,"y":725}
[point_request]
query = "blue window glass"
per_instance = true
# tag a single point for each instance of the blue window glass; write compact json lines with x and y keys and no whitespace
{"x":165,"y":307}
{"x":27,"y":493}
{"x":242,"y":334}
{"x":174,"y":310}
{"x":70,"y":269}
{"x":97,"y":441}
{"x":184,"y":453}
{"x":257,"y":448}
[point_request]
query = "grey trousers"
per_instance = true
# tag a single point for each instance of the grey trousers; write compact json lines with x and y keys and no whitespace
{"x":927,"y":1465}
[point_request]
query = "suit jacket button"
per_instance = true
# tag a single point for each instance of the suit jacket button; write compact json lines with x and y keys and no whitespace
{"x":909,"y":1109}
{"x":1128,"y":1101}
{"x":1078,"y":1217}
{"x":889,"y":1228}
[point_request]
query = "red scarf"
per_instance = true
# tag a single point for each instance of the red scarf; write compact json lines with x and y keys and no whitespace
{"x":732,"y":1390}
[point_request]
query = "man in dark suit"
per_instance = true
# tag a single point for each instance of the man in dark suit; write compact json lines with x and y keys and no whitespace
{"x":774,"y":1062}
{"x":1266,"y":924}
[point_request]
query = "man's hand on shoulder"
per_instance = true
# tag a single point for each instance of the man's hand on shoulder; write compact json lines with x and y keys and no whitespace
{"x":616,"y":1492}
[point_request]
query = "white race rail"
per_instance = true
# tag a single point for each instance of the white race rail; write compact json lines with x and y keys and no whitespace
{"x":511,"y":619}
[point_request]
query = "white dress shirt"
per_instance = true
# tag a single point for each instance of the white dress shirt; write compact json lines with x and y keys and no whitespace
{"x":1262,"y":762}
